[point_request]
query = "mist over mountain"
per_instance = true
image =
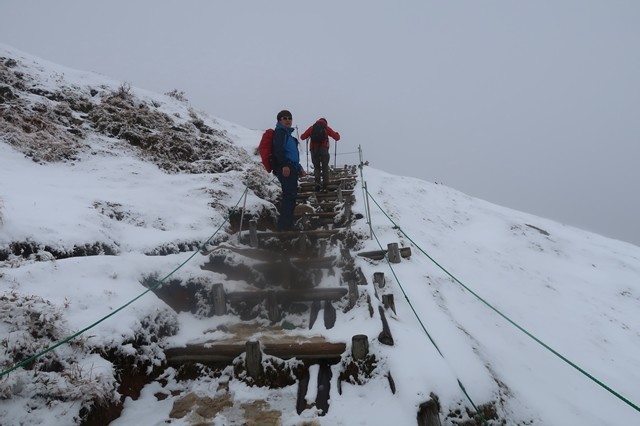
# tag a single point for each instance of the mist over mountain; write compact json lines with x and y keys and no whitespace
{"x":108,"y":188}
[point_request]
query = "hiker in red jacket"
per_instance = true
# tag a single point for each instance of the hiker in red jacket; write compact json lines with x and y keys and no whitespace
{"x":319,"y":134}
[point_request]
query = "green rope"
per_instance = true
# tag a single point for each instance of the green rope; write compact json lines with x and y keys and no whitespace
{"x":153,"y":287}
{"x":572,"y":364}
{"x":464,"y":391}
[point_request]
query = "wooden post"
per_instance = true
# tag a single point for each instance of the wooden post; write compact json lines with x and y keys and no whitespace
{"x":388,"y":302}
{"x":302,"y":244}
{"x":368,"y":210}
{"x":286,"y":269}
{"x":353,"y":293}
{"x":253,"y":233}
{"x":392,"y":383}
{"x":303,"y":386}
{"x":347,"y":208}
{"x":329,"y":315}
{"x":273,"y":311}
{"x":323,"y":247}
{"x":359,"y":346}
{"x":313,"y":313}
{"x":378,"y":278}
{"x":305,"y":222}
{"x":324,"y":388}
{"x":394,"y":252}
{"x":385,"y":336}
{"x":362,"y":280}
{"x":429,"y":413}
{"x":254,"y":359}
{"x":340,"y":198}
{"x":219,"y":300}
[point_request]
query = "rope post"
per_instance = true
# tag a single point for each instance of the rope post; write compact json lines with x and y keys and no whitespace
{"x":273,"y":311}
{"x":253,"y":233}
{"x":254,"y":359}
{"x":353,"y":293}
{"x":368,"y":211}
{"x":378,"y":278}
{"x":244,"y":204}
{"x":359,"y":346}
{"x":307,"y":143}
{"x":219,"y":300}
{"x":388,"y":302}
{"x":429,"y":413}
{"x":394,"y":253}
{"x":347,"y":208}
{"x":385,"y":336}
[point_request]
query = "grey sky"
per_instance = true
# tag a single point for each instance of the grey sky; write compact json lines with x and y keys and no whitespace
{"x":533,"y":105}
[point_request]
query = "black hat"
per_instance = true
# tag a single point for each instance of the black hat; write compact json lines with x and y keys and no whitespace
{"x":283,"y":113}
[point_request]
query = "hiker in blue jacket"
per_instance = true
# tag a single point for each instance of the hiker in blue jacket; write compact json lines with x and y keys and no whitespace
{"x":288,"y":168}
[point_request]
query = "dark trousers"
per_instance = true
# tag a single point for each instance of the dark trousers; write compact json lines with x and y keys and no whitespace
{"x":288,"y":203}
{"x":320,"y":158}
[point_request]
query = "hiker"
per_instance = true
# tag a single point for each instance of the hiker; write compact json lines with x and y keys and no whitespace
{"x":319,"y":133}
{"x":287,"y":167}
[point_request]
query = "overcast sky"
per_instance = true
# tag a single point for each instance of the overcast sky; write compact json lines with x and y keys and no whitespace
{"x":533,"y":105}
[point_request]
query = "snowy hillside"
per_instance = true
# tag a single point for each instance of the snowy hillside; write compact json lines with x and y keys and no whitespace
{"x":106,"y":187}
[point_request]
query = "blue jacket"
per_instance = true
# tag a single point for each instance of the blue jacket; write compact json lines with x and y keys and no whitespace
{"x":285,"y":148}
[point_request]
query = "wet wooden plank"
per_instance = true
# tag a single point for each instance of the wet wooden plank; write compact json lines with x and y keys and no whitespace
{"x":379,"y":254}
{"x":293,"y":295}
{"x":220,"y":352}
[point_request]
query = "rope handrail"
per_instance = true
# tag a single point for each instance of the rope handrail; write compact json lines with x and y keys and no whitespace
{"x":537,"y":340}
{"x":424,"y":328}
{"x":151,"y":288}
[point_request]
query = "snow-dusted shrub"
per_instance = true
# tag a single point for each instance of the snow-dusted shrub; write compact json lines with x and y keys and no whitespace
{"x":141,"y":345}
{"x":70,"y":372}
{"x":177,"y":95}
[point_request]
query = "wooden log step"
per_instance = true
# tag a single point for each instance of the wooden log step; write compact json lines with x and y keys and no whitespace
{"x":220,"y":352}
{"x":379,"y":254}
{"x":282,"y":266}
{"x":332,"y":187}
{"x":292,"y":295}
{"x":315,"y":262}
{"x":323,"y":195}
{"x":312,"y":262}
{"x":315,"y":233}
{"x":324,"y":387}
{"x":310,"y":186}
{"x":317,"y":214}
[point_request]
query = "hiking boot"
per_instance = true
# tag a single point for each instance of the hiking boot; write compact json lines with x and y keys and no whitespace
{"x":324,"y":189}
{"x":317,"y":187}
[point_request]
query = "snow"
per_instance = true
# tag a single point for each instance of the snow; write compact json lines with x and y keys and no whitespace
{"x":576,"y":291}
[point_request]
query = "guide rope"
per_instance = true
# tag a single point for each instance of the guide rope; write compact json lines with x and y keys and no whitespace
{"x":151,"y":288}
{"x":526,"y":332}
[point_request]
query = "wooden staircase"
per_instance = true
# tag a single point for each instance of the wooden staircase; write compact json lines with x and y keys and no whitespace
{"x":286,"y":279}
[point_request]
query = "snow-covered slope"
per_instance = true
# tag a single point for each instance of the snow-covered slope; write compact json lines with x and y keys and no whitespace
{"x":82,"y":226}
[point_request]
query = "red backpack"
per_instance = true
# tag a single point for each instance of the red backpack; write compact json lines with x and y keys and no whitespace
{"x":266,"y":150}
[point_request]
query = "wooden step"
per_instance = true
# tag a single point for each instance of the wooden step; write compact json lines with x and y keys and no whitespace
{"x":322,"y":214}
{"x":293,"y":295}
{"x":316,"y":233}
{"x":323,"y":195}
{"x":221,"y":352}
{"x":380,"y":254}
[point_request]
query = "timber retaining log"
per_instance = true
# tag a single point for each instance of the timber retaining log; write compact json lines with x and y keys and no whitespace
{"x":214,"y":353}
{"x":380,"y":254}
{"x":293,"y":295}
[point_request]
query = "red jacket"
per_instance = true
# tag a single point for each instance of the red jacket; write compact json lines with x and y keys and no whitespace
{"x":330,"y":132}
